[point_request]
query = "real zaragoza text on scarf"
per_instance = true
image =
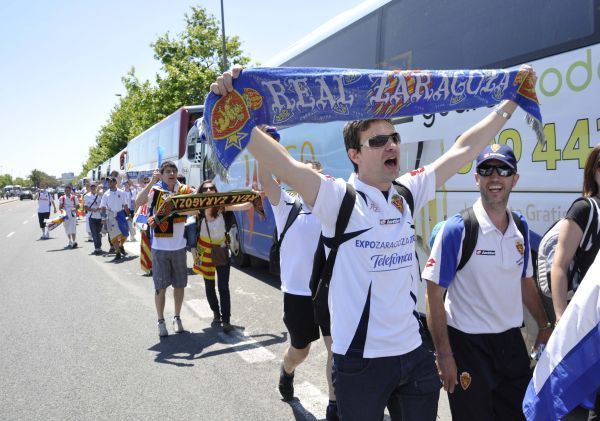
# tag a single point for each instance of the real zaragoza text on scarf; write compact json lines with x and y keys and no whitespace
{"x":290,"y":96}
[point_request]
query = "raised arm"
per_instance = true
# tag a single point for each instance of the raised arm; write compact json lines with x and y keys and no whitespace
{"x":295,"y":174}
{"x":269,"y":185}
{"x":142,"y":196}
{"x":470,"y":144}
{"x":266,"y":150}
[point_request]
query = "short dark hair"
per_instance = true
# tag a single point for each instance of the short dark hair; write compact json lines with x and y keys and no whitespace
{"x":352,"y":130}
{"x":167,"y":164}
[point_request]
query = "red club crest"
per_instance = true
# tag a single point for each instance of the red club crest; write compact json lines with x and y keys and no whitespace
{"x":465,"y":380}
{"x":397,"y":201}
{"x":526,"y":84}
{"x":229,"y":115}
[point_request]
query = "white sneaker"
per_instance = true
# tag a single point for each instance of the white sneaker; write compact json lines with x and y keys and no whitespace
{"x":177,"y":325}
{"x":162,"y":329}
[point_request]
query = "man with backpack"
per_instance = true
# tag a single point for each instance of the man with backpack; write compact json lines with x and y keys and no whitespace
{"x":478,"y":274}
{"x":299,"y":227}
{"x":379,"y":359}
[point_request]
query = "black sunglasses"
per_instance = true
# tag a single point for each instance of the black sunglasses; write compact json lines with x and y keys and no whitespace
{"x":207,"y":188}
{"x":502,"y":171}
{"x":381,"y":140}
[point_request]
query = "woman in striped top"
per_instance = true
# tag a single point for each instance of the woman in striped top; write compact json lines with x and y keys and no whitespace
{"x":212,"y":232}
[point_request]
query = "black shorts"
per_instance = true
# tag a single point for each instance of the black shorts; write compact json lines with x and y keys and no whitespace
{"x":299,"y":320}
{"x":493,"y":372}
{"x":41,"y":217}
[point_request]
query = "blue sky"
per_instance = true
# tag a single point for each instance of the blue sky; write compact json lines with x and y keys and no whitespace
{"x":61,"y":64}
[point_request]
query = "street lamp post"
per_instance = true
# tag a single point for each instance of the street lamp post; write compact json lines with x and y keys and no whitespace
{"x":223,"y":36}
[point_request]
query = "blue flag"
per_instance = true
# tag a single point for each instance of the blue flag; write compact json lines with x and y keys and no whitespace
{"x":286,"y":96}
{"x":159,"y":152}
{"x":568,"y":372}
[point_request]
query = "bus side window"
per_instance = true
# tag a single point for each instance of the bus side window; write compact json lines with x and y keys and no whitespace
{"x":192,"y":145}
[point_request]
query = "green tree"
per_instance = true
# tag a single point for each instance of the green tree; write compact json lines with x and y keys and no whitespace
{"x":40,"y":178}
{"x":6,"y":180}
{"x":190,"y":61}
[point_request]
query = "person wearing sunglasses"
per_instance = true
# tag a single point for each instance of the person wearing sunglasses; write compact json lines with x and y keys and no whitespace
{"x":475,"y":313}
{"x":212,"y":232}
{"x":379,"y":359}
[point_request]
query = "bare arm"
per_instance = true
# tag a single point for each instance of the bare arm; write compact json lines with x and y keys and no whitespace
{"x":470,"y":144}
{"x":438,"y":327}
{"x":142,"y":196}
{"x":569,"y":237}
{"x":269,"y":185}
{"x":296,"y":174}
{"x":533,"y":302}
{"x":239,"y":207}
{"x":267,"y":151}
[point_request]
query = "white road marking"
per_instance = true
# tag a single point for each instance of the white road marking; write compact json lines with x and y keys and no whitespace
{"x":311,"y":401}
{"x":247,"y":348}
{"x":10,"y":235}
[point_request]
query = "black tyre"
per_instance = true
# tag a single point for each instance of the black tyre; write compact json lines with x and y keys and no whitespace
{"x":239,"y":258}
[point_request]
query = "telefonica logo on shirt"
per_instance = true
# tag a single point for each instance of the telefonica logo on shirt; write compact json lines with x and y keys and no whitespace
{"x":384,"y":262}
{"x":390,"y":221}
{"x":486,"y":252}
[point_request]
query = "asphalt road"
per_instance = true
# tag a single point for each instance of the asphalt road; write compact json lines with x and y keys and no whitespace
{"x":79,"y":339}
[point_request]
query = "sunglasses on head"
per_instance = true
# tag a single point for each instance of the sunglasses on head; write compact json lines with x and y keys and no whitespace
{"x":502,"y":171}
{"x":381,"y":140}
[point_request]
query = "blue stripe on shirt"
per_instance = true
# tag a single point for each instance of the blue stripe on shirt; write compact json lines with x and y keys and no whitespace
{"x":452,"y":233}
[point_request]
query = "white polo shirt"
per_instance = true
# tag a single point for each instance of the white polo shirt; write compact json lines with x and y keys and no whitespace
{"x":485,"y":296}
{"x":376,"y":273}
{"x":298,"y":246}
{"x":44,"y":201}
{"x":114,"y":200}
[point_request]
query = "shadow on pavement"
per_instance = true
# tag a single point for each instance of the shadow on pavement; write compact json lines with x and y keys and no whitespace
{"x":182,"y":349}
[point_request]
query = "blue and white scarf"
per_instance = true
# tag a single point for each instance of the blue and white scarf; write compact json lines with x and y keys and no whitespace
{"x":286,"y":96}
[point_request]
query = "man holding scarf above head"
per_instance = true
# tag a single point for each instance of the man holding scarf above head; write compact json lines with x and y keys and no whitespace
{"x":169,"y":260}
{"x":378,"y":356}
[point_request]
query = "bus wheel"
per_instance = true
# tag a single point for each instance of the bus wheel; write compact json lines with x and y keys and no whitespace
{"x":240,"y":259}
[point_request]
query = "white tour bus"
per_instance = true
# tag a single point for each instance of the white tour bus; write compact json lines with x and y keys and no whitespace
{"x":170,"y":137}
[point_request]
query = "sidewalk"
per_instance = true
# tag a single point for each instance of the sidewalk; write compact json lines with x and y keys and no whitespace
{"x":12,"y":199}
